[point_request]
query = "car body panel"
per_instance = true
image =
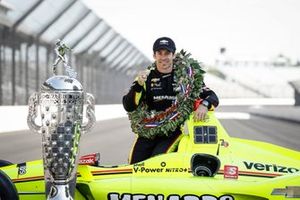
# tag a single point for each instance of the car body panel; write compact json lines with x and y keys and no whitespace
{"x":248,"y":170}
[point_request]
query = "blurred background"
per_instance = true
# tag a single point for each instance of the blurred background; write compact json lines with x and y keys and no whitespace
{"x":249,"y":49}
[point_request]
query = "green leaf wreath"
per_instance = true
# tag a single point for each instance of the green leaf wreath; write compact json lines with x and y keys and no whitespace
{"x":188,"y":75}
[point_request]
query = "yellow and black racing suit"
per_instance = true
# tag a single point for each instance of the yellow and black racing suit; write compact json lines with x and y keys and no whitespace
{"x":159,"y":93}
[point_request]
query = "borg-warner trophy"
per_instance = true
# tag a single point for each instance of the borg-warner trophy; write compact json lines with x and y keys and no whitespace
{"x":59,"y":106}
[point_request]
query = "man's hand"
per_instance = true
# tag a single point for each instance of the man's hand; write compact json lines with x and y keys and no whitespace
{"x":200,"y":113}
{"x":142,"y":77}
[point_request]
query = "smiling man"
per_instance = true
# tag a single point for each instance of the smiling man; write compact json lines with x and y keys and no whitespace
{"x":157,"y":88}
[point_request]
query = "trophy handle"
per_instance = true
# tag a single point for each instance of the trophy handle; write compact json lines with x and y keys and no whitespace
{"x":90,"y":113}
{"x":32,"y":112}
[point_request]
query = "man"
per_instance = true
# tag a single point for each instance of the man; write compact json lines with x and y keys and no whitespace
{"x":156,"y":89}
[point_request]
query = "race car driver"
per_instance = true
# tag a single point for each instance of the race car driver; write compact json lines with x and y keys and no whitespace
{"x":156,"y":89}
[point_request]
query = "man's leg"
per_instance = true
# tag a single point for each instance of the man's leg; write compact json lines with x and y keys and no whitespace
{"x":141,"y":150}
{"x":167,"y":144}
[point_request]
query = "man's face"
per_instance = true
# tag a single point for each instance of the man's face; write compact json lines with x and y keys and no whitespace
{"x":164,"y":60}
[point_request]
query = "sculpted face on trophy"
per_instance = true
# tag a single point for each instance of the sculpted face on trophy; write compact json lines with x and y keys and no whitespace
{"x":59,"y":108}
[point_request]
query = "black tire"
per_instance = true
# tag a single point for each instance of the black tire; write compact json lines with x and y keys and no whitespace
{"x":4,"y":163}
{"x":8,"y":190}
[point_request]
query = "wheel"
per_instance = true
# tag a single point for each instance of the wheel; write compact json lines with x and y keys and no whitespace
{"x":4,"y":163}
{"x":8,"y":190}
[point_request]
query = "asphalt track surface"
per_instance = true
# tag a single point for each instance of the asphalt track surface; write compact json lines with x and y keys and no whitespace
{"x":113,"y":138}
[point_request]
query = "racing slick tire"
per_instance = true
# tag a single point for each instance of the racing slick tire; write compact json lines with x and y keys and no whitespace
{"x":8,"y":190}
{"x":4,"y":163}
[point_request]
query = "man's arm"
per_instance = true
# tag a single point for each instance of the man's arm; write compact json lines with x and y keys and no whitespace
{"x":208,"y":99}
{"x":210,"y":96}
{"x":132,"y":99}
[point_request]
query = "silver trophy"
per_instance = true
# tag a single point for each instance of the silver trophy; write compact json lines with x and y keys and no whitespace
{"x":57,"y":112}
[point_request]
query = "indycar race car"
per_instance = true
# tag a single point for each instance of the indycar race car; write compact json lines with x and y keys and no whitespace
{"x":208,"y":165}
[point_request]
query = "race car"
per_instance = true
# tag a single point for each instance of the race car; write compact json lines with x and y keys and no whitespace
{"x":208,"y":165}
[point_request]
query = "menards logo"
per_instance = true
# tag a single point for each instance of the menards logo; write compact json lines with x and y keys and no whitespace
{"x":117,"y":196}
{"x":270,"y":167}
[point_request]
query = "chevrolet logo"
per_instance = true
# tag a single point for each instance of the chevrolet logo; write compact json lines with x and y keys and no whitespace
{"x":166,"y":42}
